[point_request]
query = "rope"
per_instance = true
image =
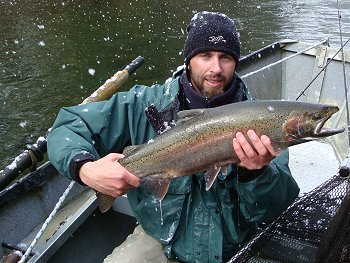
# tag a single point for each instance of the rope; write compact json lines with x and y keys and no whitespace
{"x":46,"y":223}
{"x":284,"y":59}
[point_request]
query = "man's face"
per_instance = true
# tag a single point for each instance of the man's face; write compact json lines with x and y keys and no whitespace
{"x":211,"y":72}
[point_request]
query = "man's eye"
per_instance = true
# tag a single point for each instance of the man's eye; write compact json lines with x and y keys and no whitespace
{"x":203,"y":55}
{"x":227,"y":58}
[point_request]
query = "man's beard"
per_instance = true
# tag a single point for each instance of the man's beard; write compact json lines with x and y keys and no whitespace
{"x":213,"y":91}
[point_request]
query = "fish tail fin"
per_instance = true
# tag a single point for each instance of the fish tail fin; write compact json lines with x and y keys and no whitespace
{"x":105,"y":202}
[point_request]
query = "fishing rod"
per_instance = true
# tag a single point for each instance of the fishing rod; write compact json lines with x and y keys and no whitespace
{"x":343,"y":61}
{"x":33,"y":154}
{"x":344,"y":169}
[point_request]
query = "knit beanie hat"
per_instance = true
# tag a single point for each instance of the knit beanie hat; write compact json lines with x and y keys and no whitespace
{"x":211,"y":31}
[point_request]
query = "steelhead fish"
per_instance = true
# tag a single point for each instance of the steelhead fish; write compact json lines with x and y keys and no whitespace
{"x":202,"y":140}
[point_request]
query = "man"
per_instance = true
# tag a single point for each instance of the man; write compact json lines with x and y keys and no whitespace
{"x":191,"y":224}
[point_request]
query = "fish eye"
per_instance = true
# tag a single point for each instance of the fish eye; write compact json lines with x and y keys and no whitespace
{"x":318,"y":116}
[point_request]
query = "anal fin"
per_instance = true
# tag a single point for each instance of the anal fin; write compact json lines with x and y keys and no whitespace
{"x":158,"y":187}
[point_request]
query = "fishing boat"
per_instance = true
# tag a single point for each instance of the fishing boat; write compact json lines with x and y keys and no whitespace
{"x":65,"y":214}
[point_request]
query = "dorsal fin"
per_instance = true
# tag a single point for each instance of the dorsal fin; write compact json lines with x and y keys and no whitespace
{"x":186,"y":115}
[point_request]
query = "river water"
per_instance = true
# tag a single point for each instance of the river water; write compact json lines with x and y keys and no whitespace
{"x":55,"y":53}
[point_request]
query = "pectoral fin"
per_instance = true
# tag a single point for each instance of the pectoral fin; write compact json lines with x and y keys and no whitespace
{"x":280,"y":146}
{"x":158,"y":187}
{"x":210,"y":176}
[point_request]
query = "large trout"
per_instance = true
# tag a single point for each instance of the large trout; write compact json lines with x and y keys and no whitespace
{"x":202,"y":140}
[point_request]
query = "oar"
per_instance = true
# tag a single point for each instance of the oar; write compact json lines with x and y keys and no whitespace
{"x":35,"y":153}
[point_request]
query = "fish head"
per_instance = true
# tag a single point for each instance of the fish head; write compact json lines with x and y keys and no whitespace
{"x":307,"y":123}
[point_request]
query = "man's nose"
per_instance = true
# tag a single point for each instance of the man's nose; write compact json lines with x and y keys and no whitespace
{"x":216,"y":66}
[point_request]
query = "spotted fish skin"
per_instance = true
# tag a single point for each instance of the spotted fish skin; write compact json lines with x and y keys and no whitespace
{"x":202,"y":140}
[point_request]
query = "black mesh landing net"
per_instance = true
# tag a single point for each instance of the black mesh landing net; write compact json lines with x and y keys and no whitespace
{"x":316,"y":228}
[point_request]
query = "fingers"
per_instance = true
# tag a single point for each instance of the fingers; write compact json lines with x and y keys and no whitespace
{"x":114,"y":156}
{"x":108,"y":176}
{"x":257,"y":143}
{"x":123,"y":183}
{"x":130,"y":179}
{"x":254,"y":154}
{"x":267,"y":143}
{"x":242,"y":148}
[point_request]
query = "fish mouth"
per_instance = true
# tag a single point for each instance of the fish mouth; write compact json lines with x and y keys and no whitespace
{"x":325,"y":132}
{"x":321,"y":131}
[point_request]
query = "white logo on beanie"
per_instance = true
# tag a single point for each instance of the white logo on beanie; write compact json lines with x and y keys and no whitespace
{"x":217,"y":39}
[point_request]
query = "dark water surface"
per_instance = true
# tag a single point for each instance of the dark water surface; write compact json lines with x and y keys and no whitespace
{"x":55,"y":53}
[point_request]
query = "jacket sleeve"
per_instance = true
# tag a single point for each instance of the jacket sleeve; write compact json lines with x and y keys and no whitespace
{"x":98,"y":128}
{"x":264,"y":198}
{"x":83,"y":130}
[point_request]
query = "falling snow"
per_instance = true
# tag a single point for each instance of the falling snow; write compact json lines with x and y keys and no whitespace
{"x":23,"y":124}
{"x":91,"y":71}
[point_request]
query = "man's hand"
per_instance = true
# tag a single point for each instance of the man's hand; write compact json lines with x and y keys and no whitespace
{"x":256,"y":157}
{"x":107,"y":176}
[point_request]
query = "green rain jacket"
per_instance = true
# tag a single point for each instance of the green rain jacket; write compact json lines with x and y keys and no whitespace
{"x":193,"y":224}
